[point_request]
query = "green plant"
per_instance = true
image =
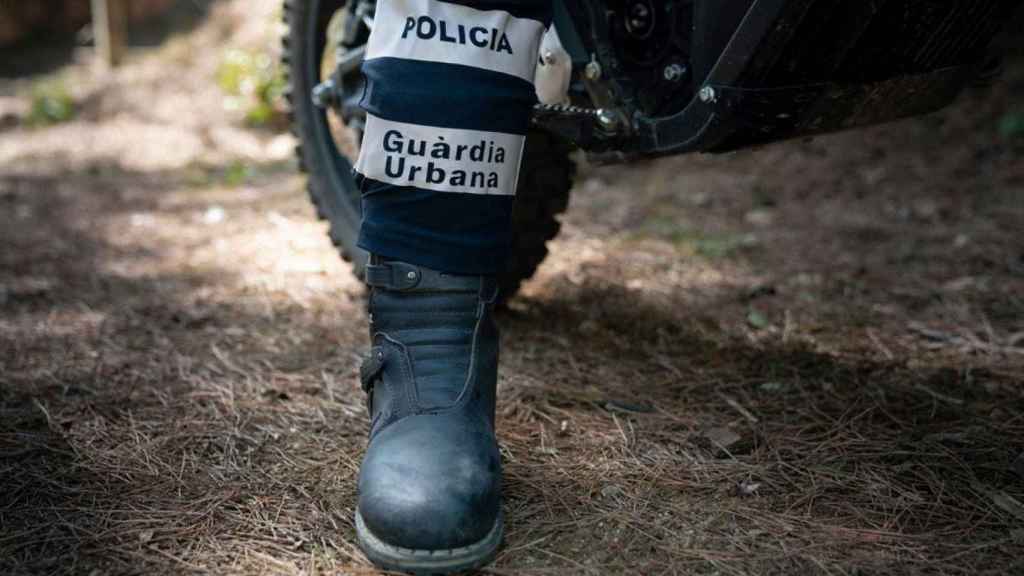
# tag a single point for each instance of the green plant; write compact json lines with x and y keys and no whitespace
{"x":1011,"y":125}
{"x":237,"y":173}
{"x":709,"y":245}
{"x":253,"y":83}
{"x":51,"y":104}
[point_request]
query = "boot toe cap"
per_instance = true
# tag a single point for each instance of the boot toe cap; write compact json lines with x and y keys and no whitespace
{"x":430,"y":487}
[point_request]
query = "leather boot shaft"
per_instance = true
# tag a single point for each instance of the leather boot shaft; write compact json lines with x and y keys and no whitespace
{"x":440,"y":329}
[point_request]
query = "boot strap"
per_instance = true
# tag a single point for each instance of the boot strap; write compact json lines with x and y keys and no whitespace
{"x":399,"y":276}
{"x":371,"y":368}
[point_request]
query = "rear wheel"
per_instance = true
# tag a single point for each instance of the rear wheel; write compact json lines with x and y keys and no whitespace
{"x":323,"y":33}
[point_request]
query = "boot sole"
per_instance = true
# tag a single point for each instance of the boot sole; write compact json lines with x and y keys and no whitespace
{"x":427,"y":562}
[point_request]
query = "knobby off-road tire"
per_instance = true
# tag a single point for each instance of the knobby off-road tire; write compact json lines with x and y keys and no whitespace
{"x":544,"y":183}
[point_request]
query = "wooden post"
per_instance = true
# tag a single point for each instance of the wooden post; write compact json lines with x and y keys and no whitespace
{"x":110,"y":26}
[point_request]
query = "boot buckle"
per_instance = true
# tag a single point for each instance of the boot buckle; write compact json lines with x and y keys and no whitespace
{"x":371,"y":368}
{"x":392,"y":275}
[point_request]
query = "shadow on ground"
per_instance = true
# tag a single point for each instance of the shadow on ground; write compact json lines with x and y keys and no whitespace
{"x":124,"y":423}
{"x":150,"y":423}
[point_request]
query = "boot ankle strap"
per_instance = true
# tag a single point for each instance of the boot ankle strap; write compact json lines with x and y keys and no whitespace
{"x":403,"y":277}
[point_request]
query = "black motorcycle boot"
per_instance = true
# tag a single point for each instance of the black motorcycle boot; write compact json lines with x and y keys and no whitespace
{"x":430,"y":483}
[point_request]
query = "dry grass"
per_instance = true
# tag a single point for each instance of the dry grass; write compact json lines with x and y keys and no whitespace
{"x":178,"y":349}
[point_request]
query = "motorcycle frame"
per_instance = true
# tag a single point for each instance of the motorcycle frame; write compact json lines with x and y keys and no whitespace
{"x":735,"y":105}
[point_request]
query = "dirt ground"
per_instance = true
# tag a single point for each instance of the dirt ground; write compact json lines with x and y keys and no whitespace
{"x":805,"y":359}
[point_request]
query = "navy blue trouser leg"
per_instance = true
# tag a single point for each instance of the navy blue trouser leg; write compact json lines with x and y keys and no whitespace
{"x":448,"y":101}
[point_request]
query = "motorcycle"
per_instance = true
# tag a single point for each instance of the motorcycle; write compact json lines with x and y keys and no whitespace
{"x":625,"y":80}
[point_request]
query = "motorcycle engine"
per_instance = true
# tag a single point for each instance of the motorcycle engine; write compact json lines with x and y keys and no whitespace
{"x":652,"y":39}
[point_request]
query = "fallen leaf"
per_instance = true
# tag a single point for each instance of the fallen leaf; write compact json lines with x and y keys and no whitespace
{"x":628,"y":407}
{"x":757,"y":320}
{"x":612,"y":491}
{"x":722,"y":437}
{"x":1018,"y":465}
{"x":748,"y":488}
{"x":1002,"y":500}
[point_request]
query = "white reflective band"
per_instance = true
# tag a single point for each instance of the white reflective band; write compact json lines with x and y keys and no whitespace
{"x":432,"y":31}
{"x":440,"y":159}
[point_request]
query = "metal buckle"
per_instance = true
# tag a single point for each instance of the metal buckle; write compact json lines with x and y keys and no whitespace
{"x":371,"y":368}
